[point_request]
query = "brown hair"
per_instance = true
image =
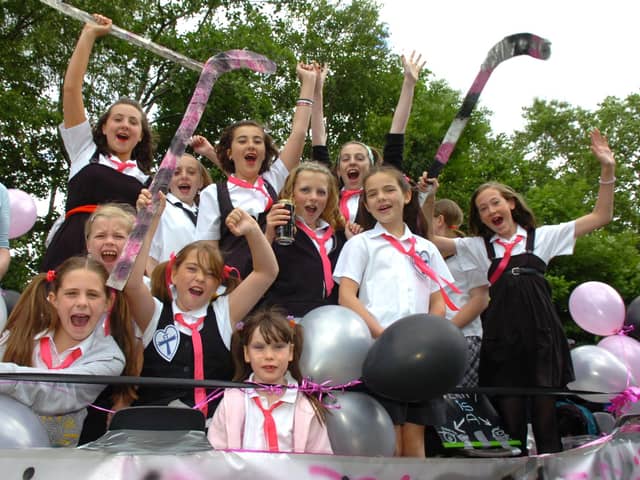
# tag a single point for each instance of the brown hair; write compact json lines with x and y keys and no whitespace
{"x":521,"y":213}
{"x":412,"y":213}
{"x":374,"y":155}
{"x":452,"y":215}
{"x":331,"y":213}
{"x":143,"y":151}
{"x":209,"y":258}
{"x":226,"y":139}
{"x":33,"y":313}
{"x":274,"y":326}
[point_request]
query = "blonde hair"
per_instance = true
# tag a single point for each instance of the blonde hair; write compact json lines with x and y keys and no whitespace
{"x":331,"y":213}
{"x":120,"y":211}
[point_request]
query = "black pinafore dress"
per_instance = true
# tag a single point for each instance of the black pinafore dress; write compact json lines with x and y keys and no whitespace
{"x":523,"y":343}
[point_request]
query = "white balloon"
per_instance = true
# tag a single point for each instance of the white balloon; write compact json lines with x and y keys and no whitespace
{"x":599,"y":370}
{"x":3,"y":312}
{"x":20,"y":427}
{"x":336,"y":342}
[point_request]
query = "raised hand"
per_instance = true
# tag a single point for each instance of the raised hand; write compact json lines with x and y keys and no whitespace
{"x":240,"y":223}
{"x":100,"y":27}
{"x":601,"y":150}
{"x":412,"y":67}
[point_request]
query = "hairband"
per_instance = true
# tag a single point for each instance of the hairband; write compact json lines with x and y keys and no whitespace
{"x":228,"y":270}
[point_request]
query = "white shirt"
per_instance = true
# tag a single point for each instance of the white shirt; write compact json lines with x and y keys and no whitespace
{"x":465,"y":281}
{"x":250,"y":200}
{"x":62,"y":406}
{"x":80,"y":146}
{"x":391,"y":287}
{"x":253,"y":437}
{"x":550,"y":241}
{"x":220,"y":308}
{"x":175,"y":230}
{"x":320,"y":231}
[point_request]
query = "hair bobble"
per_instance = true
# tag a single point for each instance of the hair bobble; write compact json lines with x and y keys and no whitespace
{"x":239,"y":326}
{"x":51,"y":276}
{"x":227,"y":271}
{"x":292,"y":321}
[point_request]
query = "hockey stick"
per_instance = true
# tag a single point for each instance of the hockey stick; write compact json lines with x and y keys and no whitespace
{"x":508,"y":47}
{"x":127,"y":36}
{"x":213,"y":68}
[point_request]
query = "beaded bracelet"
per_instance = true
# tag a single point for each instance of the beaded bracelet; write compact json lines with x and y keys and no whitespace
{"x":607,"y":182}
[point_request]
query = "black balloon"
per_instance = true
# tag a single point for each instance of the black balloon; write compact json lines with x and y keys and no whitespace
{"x":417,"y":358}
{"x":10,"y":299}
{"x":632,"y":318}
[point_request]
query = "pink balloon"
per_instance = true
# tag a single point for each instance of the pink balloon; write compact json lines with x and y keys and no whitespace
{"x":23,"y":212}
{"x":626,"y":349}
{"x":597,"y":308}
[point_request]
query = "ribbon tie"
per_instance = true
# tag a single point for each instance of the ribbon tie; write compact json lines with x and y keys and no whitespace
{"x":324,"y":256}
{"x":345,"y":195}
{"x":270,"y":431}
{"x":122,"y":166}
{"x":421,"y":265}
{"x":189,"y":213}
{"x":45,"y":354}
{"x":508,"y":247}
{"x":259,"y":188}
{"x":200,"y":394}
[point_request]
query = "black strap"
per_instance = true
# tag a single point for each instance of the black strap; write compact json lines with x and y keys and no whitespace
{"x":192,"y":215}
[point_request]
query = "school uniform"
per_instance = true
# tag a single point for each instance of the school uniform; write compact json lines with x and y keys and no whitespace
{"x":523,"y":340}
{"x":169,"y":351}
{"x":300,"y":285}
{"x":472,"y":331}
{"x":238,"y":423}
{"x":391,"y":288}
{"x":176,"y":229}
{"x":94,"y":179}
{"x":62,"y":407}
{"x":219,"y":199}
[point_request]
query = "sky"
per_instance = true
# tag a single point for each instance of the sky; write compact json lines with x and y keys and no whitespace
{"x":593,"y":49}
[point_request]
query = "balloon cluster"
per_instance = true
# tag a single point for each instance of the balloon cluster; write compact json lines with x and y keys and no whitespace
{"x":612,"y":365}
{"x":417,"y":358}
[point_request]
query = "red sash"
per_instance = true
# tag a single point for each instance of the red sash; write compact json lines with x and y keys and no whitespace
{"x":260,"y":188}
{"x":270,"y":431}
{"x":326,"y":263}
{"x":508,"y":247}
{"x":200,"y":394}
{"x":345,"y":195}
{"x":45,"y":354}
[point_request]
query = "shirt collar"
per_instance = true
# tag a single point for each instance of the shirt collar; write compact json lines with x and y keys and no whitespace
{"x":322,"y":225}
{"x":190,"y":316}
{"x":172,"y":199}
{"x":84,"y":345}
{"x":378,"y":230}
{"x":290,"y":394}
{"x":519,"y":231}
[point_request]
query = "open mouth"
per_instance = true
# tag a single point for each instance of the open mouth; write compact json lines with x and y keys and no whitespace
{"x":384,"y":208}
{"x":79,"y":320}
{"x":497,"y":221}
{"x":122,"y":137}
{"x":353,"y":174}
{"x":196,"y":291}
{"x":311,"y":209}
{"x":184,"y":189}
{"x":109,"y":256}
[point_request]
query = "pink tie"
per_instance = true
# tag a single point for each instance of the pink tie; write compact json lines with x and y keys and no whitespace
{"x":423,"y":267}
{"x":200,"y":394}
{"x":45,"y":354}
{"x":270,"y":431}
{"x":121,"y":166}
{"x":260,"y":188}
{"x":508,"y":247}
{"x":326,"y":263}
{"x":345,"y":195}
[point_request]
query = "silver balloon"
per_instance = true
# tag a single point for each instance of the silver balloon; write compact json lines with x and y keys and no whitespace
{"x":336,"y":342}
{"x":3,"y":313}
{"x":360,"y":426}
{"x":599,"y":370}
{"x":19,"y":426}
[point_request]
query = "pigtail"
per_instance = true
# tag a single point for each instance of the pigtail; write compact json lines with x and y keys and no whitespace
{"x":159,"y":287}
{"x":122,"y":331}
{"x":31,"y":315}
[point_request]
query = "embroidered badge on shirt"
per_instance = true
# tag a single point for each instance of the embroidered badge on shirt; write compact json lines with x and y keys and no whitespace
{"x":424,"y":255}
{"x":166,"y":342}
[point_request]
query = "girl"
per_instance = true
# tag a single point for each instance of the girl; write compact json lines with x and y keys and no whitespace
{"x":387,"y":273}
{"x":53,"y":327}
{"x":305,"y":280}
{"x":106,"y":233}
{"x":187,"y":327}
{"x":266,"y":350}
{"x":446,"y":218}
{"x":356,"y":158}
{"x":248,"y":155}
{"x":178,"y":224}
{"x":523,"y":343}
{"x":101,"y":166}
